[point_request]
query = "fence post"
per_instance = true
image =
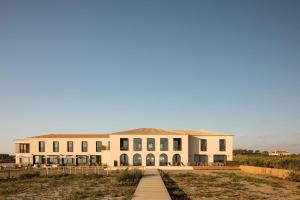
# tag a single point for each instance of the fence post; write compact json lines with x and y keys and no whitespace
{"x":47,"y":171}
{"x":8,"y":173}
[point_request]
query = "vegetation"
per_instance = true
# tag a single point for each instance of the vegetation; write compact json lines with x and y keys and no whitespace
{"x":280,"y":162}
{"x":30,"y":175}
{"x":175,"y":192}
{"x":129,"y":177}
{"x":226,"y":185}
{"x":117,"y":185}
{"x":294,"y":176}
{"x":247,"y":152}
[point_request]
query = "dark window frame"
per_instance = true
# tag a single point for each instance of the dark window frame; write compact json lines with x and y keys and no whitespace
{"x":179,"y":147}
{"x":150,"y":141}
{"x":98,"y":146}
{"x":222,"y":145}
{"x":70,"y":146}
{"x":55,"y":148}
{"x":122,"y":146}
{"x":134,"y":142}
{"x":167,"y":144}
{"x":203,"y":144}
{"x":84,"y":148}
{"x":41,"y":147}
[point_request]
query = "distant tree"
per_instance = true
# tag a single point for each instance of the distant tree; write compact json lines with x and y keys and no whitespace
{"x":257,"y":151}
{"x":265,"y":153}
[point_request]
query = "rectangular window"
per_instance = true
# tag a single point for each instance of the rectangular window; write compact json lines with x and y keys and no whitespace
{"x":137,"y":144}
{"x":203,"y":145}
{"x":200,"y":158}
{"x":24,"y":148}
{"x":222,"y":145}
{"x":150,"y":144}
{"x":177,"y":144}
{"x":220,"y":158}
{"x":55,"y":146}
{"x":69,"y":146}
{"x":124,"y":144}
{"x":84,"y":146}
{"x":98,"y":146}
{"x":164,"y":144}
{"x":41,"y":146}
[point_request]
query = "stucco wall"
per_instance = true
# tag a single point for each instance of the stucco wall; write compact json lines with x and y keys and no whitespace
{"x":281,"y":173}
{"x":116,"y":152}
{"x":212,"y":147}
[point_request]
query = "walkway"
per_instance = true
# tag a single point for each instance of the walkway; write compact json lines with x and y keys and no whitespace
{"x":151,"y":187}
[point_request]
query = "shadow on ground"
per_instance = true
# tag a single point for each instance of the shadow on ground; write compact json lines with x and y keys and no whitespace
{"x":175,"y":192}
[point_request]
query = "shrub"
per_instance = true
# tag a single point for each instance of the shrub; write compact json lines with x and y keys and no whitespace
{"x":30,"y":175}
{"x":129,"y":177}
{"x":281,"y":162}
{"x":294,"y":176}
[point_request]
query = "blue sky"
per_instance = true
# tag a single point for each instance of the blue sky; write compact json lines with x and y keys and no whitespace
{"x":103,"y":66}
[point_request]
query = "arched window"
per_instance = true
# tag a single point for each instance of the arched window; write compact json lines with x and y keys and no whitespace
{"x":176,"y":159}
{"x":163,"y":160}
{"x":124,"y":160}
{"x":150,"y":160}
{"x":137,"y":159}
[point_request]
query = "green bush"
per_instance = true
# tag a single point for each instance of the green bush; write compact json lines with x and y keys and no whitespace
{"x":280,"y":162}
{"x":30,"y":174}
{"x":294,"y":176}
{"x":129,"y":177}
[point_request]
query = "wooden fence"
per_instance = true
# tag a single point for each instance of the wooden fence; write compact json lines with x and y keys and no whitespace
{"x":281,"y":173}
{"x":13,"y":173}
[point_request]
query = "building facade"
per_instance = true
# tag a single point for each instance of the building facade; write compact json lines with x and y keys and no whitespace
{"x":137,"y":147}
{"x":280,"y":153}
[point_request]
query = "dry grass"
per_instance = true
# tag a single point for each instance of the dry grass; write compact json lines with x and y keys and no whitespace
{"x":228,"y":185}
{"x":65,"y":186}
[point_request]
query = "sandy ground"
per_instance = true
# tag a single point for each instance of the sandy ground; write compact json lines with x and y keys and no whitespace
{"x":222,"y":184}
{"x":69,"y":187}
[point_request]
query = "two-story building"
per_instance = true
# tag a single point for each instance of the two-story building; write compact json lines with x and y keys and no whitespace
{"x":137,"y":147}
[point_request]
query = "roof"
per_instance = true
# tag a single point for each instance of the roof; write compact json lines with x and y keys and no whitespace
{"x":203,"y":132}
{"x":72,"y":136}
{"x":138,"y":131}
{"x":156,"y":131}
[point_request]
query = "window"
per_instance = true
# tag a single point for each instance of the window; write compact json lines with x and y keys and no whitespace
{"x":95,"y":160}
{"x":150,"y":160}
{"x":164,"y":144}
{"x":69,"y":146}
{"x":84,"y":146}
{"x":68,"y":160}
{"x":41,"y":146}
{"x":200,"y":158}
{"x":124,"y":160}
{"x":220,"y":158}
{"x":203,"y":145}
{"x":124,"y":146}
{"x":137,"y":160}
{"x":82,"y":160}
{"x":222,"y":145}
{"x":24,"y":148}
{"x":98,"y":146}
{"x":137,"y":144}
{"x":150,"y":144}
{"x":176,"y":159}
{"x":55,"y":146}
{"x":163,"y":160}
{"x":177,"y":144}
{"x":52,"y":159}
{"x":38,"y":160}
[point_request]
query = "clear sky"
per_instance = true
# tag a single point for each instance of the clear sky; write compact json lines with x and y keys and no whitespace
{"x":103,"y":66}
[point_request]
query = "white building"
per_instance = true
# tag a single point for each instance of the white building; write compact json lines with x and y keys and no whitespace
{"x":137,"y":147}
